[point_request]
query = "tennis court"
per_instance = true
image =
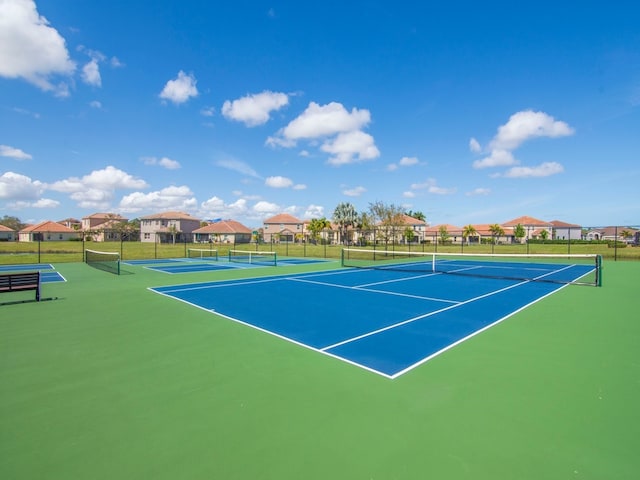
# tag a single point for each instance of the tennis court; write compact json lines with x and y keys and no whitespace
{"x":387,"y":320}
{"x":112,"y":380}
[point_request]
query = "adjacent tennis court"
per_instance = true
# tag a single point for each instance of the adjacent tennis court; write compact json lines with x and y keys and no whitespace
{"x":396,"y":313}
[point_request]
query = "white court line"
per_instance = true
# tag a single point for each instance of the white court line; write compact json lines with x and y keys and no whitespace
{"x":420,"y":317}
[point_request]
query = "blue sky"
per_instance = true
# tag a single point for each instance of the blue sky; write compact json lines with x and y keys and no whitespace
{"x":470,"y":112}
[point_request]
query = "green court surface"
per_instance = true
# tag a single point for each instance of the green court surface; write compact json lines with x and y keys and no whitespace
{"x":111,"y":381}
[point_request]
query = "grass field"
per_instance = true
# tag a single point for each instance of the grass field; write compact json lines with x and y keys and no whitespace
{"x":113,"y":381}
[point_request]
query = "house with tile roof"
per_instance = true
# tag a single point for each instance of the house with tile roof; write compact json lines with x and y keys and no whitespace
{"x":7,"y":234}
{"x":103,"y":227}
{"x":168,"y":227}
{"x":283,"y":228}
{"x":223,"y":231}
{"x":452,"y":233}
{"x":565,"y":231}
{"x":613,"y":234}
{"x":47,"y":231}
{"x":532,"y":226}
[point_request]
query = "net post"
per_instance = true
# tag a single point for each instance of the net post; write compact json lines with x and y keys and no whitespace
{"x":275,"y":259}
{"x":433,"y":263}
{"x":342,"y":258}
{"x":598,"y":270}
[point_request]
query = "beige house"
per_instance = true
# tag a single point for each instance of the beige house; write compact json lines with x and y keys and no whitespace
{"x":566,"y":231}
{"x":7,"y":234}
{"x":223,"y":231}
{"x":452,"y":233}
{"x":283,"y":228}
{"x":168,"y":227}
{"x":532,"y":226}
{"x":102,"y":227}
{"x":47,"y":231}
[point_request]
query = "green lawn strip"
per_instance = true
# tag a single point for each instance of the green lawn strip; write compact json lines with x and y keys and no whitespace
{"x":114,"y":381}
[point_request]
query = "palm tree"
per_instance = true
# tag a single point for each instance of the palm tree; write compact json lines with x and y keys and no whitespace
{"x":469,"y":231}
{"x":317,"y":225}
{"x":496,"y":232}
{"x":345,"y":216}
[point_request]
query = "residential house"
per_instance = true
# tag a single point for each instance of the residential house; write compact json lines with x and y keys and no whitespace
{"x":168,"y":227}
{"x":223,"y":231}
{"x":532,"y":226}
{"x":283,"y":228}
{"x":566,"y":231}
{"x":73,"y":223}
{"x":485,"y":231}
{"x":102,"y":227}
{"x":612,"y":234}
{"x":7,"y":234}
{"x":47,"y":231}
{"x":434,"y":233}
{"x":418,"y":228}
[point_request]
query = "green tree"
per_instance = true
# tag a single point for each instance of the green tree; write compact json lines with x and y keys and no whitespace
{"x":317,"y":225}
{"x":387,"y":219}
{"x":443,"y":233}
{"x":409,"y":234}
{"x":416,"y":215}
{"x":13,"y":223}
{"x":626,"y":234}
{"x":496,"y":232}
{"x":519,"y":232}
{"x":469,"y":231}
{"x":345,"y":216}
{"x":544,"y":234}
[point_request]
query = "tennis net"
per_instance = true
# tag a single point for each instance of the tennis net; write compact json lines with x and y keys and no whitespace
{"x":107,"y":261}
{"x":580,"y":269}
{"x":256,"y":258}
{"x":202,"y":253}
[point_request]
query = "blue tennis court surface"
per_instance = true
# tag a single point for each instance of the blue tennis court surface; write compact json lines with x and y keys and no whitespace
{"x":385,"y":321}
{"x":47,"y":272}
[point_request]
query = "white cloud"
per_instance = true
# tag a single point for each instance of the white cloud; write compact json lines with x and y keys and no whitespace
{"x":181,"y":89}
{"x":354,"y":192}
{"x":340,"y":129}
{"x":266,"y":208}
{"x":109,"y":178}
{"x":300,"y":186}
{"x":253,"y":110}
{"x":31,"y":49}
{"x":163,"y":162}
{"x":11,"y":152}
{"x":478,"y":191}
{"x":14,"y":186}
{"x":526,"y":125}
{"x":95,"y":104}
{"x":351,"y":147}
{"x":170,"y":198}
{"x":216,"y":208}
{"x":45,"y":203}
{"x":96,"y":190}
{"x":207,"y":111}
{"x":521,"y":127}
{"x":313,"y":211}
{"x":432,"y":187}
{"x":497,"y":158}
{"x":278,"y":182}
{"x":545,"y":169}
{"x":404,"y":162}
{"x":408,"y":194}
{"x":91,"y":74}
{"x":325,"y":120}
{"x":474,"y":146}
{"x":238,"y":166}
